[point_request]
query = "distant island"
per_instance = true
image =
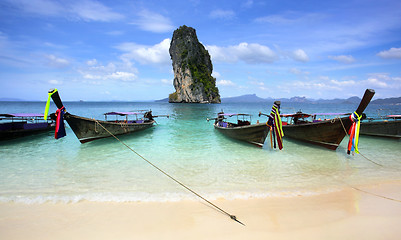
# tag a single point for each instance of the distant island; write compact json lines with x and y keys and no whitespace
{"x":252,"y":98}
{"x":296,"y":99}
{"x":11,"y":100}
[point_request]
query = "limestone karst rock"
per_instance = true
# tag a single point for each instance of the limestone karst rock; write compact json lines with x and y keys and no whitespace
{"x":192,"y":67}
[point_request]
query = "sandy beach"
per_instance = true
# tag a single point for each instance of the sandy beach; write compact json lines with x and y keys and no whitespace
{"x":346,"y":214}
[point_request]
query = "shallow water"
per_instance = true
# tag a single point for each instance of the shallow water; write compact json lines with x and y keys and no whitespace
{"x":40,"y":168}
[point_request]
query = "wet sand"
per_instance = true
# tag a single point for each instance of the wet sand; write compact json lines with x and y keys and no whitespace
{"x":346,"y":214}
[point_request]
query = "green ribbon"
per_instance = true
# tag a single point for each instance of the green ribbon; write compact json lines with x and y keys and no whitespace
{"x":48,"y":104}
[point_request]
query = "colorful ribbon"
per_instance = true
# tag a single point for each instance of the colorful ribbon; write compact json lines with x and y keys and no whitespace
{"x":276,"y":128}
{"x":354,"y":133}
{"x":60,"y":128}
{"x":48,"y":104}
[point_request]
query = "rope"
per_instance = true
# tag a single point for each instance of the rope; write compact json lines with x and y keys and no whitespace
{"x":350,"y":186}
{"x":374,"y":194}
{"x":358,"y":189}
{"x":378,"y":164}
{"x":96,"y":131}
{"x":233,"y":217}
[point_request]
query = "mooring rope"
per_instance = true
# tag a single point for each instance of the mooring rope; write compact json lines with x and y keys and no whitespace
{"x":358,"y":189}
{"x":378,"y":164}
{"x":374,"y":194}
{"x":233,"y":217}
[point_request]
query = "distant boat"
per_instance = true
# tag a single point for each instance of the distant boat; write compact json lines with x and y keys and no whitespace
{"x":88,"y":129}
{"x":389,"y":126}
{"x":23,"y":124}
{"x":242,"y":129}
{"x":326,"y":133}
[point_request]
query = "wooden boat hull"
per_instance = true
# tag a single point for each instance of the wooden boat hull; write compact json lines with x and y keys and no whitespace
{"x":328,"y":134}
{"x":24,"y":130}
{"x":87,"y":129}
{"x":390,"y":129}
{"x":255,"y":133}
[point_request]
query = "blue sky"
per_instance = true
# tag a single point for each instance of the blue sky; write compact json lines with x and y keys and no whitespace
{"x":118,"y":50}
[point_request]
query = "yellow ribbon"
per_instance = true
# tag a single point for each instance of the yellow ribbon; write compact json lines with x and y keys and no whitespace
{"x":358,"y":125}
{"x":278,"y":121}
{"x":48,"y":104}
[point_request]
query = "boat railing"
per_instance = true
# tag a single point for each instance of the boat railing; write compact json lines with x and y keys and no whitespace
{"x":35,"y":119}
{"x":303,"y":118}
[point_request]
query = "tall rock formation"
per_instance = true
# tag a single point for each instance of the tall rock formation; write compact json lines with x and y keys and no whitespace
{"x":193,"y":69}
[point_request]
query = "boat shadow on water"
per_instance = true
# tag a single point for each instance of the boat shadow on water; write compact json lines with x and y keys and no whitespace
{"x":141,"y":136}
{"x":226,"y":140}
{"x":36,"y":138}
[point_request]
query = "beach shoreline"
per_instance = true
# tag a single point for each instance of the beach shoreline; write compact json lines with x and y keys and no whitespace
{"x":345,"y":214}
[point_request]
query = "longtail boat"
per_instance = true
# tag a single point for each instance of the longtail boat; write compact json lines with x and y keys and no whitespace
{"x":88,"y":129}
{"x":388,"y":126}
{"x":242,"y":129}
{"x":23,"y":124}
{"x":328,"y":132}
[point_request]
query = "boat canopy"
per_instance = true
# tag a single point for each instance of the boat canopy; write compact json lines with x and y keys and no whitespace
{"x":233,"y":114}
{"x":329,"y":114}
{"x":123,"y":113}
{"x":299,"y":115}
{"x":306,"y":115}
{"x":21,"y":115}
{"x":393,"y":116}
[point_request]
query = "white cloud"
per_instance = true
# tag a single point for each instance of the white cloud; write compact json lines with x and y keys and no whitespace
{"x":380,"y":80}
{"x":156,"y":54}
{"x":290,"y":17}
{"x":153,"y":22}
{"x":343,"y":83}
{"x":55,"y":82}
{"x":274,"y":19}
{"x":225,"y":83}
{"x":296,"y":71}
{"x":92,"y":62}
{"x":40,"y":7}
{"x":300,"y":85}
{"x":123,"y":76}
{"x":376,"y":82}
{"x":216,"y":74}
{"x":115,"y":33}
{"x":249,"y":53}
{"x":394,"y":53}
{"x":325,"y":85}
{"x":122,"y":72}
{"x":222,"y":14}
{"x":87,"y":10}
{"x":257,"y":83}
{"x":57,"y":62}
{"x":300,"y":55}
{"x":319,"y":85}
{"x":167,"y":81}
{"x":247,"y":4}
{"x":343,"y":58}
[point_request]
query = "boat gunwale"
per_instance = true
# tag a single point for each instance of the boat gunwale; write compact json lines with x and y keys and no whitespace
{"x":146,"y":122}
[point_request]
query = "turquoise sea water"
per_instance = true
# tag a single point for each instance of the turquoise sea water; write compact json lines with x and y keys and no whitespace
{"x":39,"y":168}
